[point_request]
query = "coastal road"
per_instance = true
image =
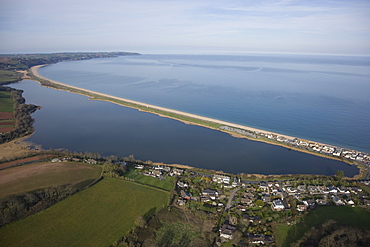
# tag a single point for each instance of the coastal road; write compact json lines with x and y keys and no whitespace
{"x":230,"y":201}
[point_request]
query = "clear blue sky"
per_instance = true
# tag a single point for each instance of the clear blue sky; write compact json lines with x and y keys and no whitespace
{"x":188,"y":26}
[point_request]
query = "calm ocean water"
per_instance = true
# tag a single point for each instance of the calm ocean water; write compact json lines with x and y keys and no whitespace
{"x":319,"y":98}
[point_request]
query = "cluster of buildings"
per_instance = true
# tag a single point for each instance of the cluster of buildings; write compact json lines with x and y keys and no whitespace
{"x":222,"y":193}
{"x":66,"y":159}
{"x":251,"y":195}
{"x":159,"y":171}
{"x":360,"y":157}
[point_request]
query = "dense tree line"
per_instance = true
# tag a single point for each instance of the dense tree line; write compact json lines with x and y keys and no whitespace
{"x":111,"y":170}
{"x":171,"y":227}
{"x":332,"y":234}
{"x":17,"y":207}
{"x":22,"y":116}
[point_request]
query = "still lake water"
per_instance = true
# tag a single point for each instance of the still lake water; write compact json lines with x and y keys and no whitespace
{"x":72,"y":121}
{"x":319,"y":98}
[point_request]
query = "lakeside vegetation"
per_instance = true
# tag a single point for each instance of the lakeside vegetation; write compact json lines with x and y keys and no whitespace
{"x":21,"y":119}
{"x":20,"y":115}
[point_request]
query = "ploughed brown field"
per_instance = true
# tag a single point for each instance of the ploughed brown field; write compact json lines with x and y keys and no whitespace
{"x":6,"y":123}
{"x":5,"y":129}
{"x":6,"y":115}
{"x":21,"y":161}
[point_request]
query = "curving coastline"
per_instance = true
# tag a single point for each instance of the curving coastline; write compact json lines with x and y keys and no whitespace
{"x":185,"y":117}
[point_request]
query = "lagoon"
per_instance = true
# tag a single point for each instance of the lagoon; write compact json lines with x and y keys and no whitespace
{"x":73,"y":122}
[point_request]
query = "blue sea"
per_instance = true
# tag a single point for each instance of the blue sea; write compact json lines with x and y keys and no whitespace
{"x":315,"y":97}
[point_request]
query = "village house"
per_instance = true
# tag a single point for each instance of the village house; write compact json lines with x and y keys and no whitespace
{"x":226,"y":231}
{"x":156,"y":173}
{"x":279,"y":205}
{"x":176,"y":171}
{"x":186,"y":195}
{"x":263,"y":186}
{"x":302,"y":208}
{"x":209,"y":192}
{"x":337,"y":200}
{"x":247,"y":201}
{"x":139,"y":167}
{"x":322,"y":202}
{"x":259,"y":239}
{"x":332,"y":189}
{"x":221,"y":179}
{"x":250,"y":218}
{"x":181,"y":202}
{"x":241,"y":207}
{"x":91,"y":161}
{"x":266,"y":198}
{"x":182,"y":184}
{"x":302,"y":188}
{"x":310,"y":203}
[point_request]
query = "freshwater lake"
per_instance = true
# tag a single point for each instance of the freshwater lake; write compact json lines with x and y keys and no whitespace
{"x":72,"y":121}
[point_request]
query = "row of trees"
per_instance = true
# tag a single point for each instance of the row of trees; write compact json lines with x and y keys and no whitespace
{"x":17,"y":207}
{"x":22,"y":116}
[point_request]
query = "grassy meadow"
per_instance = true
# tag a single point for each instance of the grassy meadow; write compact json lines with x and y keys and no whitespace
{"x":21,"y":179}
{"x":97,"y":216}
{"x":166,"y":184}
{"x":8,"y":76}
{"x":6,"y":102}
{"x":358,"y":217}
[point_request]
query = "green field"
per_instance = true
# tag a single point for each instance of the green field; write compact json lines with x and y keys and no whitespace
{"x":8,"y":76}
{"x":358,"y":217}
{"x":6,"y":102}
{"x":166,"y":184}
{"x":97,"y":216}
{"x":21,"y":179}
